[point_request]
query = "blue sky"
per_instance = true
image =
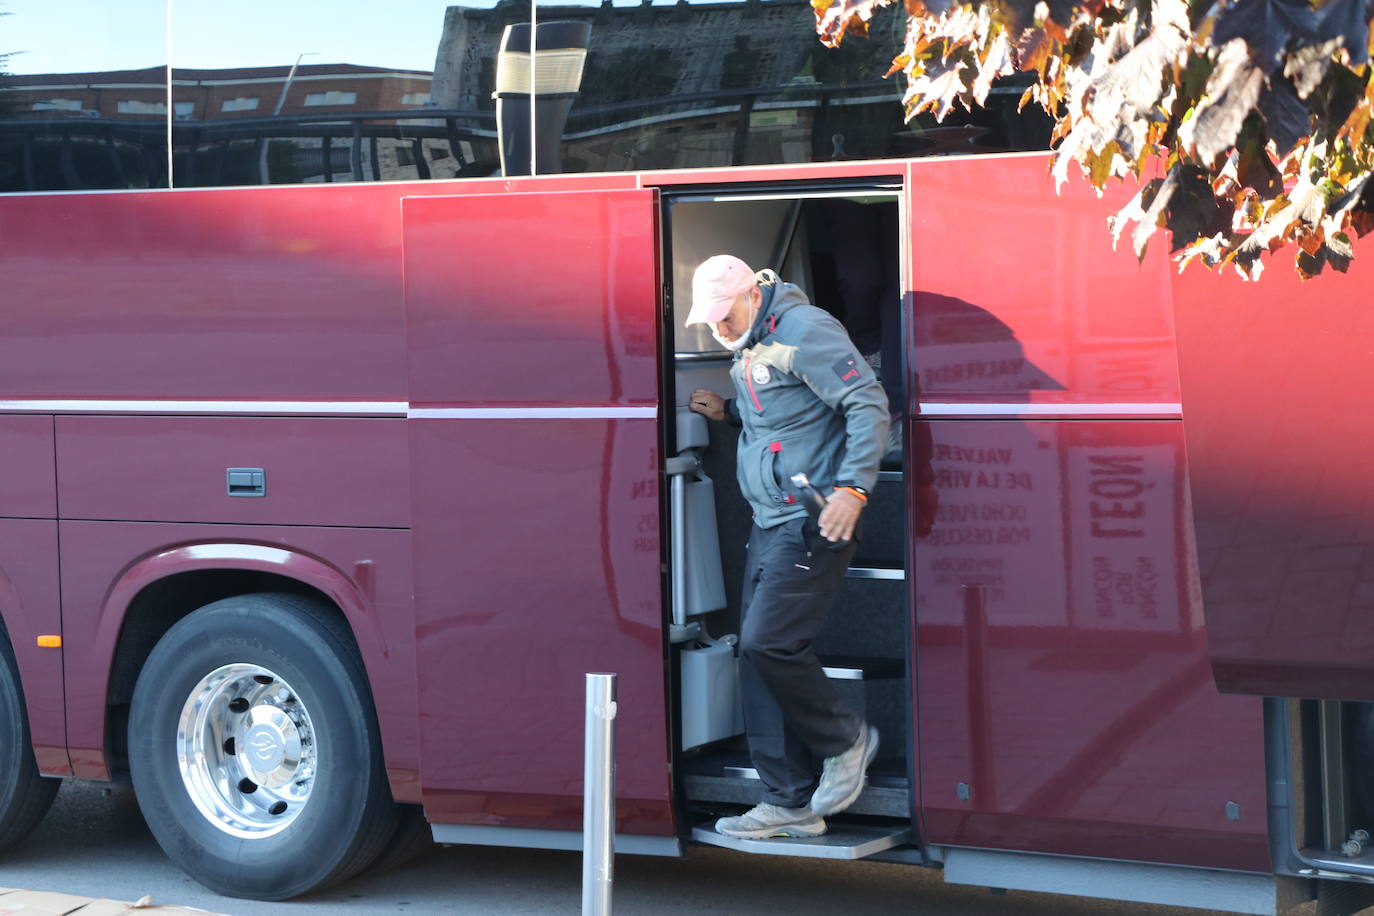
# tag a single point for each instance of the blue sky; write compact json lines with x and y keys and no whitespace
{"x":61,"y":36}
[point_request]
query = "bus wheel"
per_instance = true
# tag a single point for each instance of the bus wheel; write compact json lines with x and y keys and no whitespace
{"x":412,"y":839}
{"x":25,"y":796}
{"x":255,"y":751}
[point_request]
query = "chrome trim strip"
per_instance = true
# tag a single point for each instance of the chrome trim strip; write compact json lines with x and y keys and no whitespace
{"x":704,"y":356}
{"x":876,"y":191}
{"x":941,"y":409}
{"x":843,"y":674}
{"x":538,"y":838}
{"x":1138,"y":882}
{"x":387,"y":408}
{"x":874,"y":572}
{"x":531,"y":413}
{"x":315,"y":408}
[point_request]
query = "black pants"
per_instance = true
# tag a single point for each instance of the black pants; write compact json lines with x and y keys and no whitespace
{"x":793,"y":713}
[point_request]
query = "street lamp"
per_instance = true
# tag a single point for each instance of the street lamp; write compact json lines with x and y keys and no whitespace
{"x":291,"y":75}
{"x":281,"y":101}
{"x":532,"y":107}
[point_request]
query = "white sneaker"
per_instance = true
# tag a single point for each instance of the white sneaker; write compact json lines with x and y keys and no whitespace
{"x":765,"y":820}
{"x":842,"y":776}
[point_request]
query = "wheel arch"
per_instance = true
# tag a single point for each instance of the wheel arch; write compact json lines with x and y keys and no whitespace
{"x":156,"y":591}
{"x":9,"y":602}
{"x":39,"y":671}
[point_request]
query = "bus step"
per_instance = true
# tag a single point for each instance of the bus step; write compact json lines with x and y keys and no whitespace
{"x":862,"y":667}
{"x":844,"y":841}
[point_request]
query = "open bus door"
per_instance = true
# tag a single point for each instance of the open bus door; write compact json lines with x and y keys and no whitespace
{"x":838,"y":242}
{"x":534,"y":451}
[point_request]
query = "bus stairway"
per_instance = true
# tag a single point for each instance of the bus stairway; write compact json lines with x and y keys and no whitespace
{"x":723,"y":782}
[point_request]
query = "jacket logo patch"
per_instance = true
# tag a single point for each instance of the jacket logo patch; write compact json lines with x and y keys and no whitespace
{"x":760,"y":374}
{"x":847,"y":369}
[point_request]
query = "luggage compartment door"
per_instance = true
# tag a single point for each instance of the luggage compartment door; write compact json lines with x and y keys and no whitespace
{"x":534,"y":384}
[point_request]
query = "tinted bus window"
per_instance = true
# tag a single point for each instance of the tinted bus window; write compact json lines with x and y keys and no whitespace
{"x":268,"y":92}
{"x":708,"y":84}
{"x":83,"y":108}
{"x":272,"y":92}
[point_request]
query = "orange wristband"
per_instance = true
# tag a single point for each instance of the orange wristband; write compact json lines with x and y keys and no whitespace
{"x":862,"y":497}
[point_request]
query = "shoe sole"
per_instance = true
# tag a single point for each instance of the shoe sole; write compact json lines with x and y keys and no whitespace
{"x":786,"y":833}
{"x":870,"y":751}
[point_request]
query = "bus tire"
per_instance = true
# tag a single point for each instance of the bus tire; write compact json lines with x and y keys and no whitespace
{"x":25,"y":795}
{"x":412,"y":839}
{"x":254,"y":748}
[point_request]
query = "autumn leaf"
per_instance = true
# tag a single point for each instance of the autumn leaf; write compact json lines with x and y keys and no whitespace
{"x":1308,"y":66}
{"x":936,"y":89}
{"x":1287,"y":119}
{"x":1248,"y":124}
{"x":835,"y":18}
{"x":1232,"y":91}
{"x":1264,"y":25}
{"x":996,"y":63}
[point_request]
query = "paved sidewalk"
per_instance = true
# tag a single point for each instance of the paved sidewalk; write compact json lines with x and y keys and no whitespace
{"x":94,"y":842}
{"x":45,"y":903}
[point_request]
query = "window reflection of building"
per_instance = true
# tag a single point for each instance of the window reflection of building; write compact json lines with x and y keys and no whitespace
{"x":213,"y":94}
{"x":696,"y":85}
{"x":670,"y":86}
{"x":107,"y":129}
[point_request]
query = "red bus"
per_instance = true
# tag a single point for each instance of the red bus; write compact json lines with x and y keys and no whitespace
{"x":321,"y":499}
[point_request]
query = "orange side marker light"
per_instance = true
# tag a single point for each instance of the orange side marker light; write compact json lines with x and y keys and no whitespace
{"x":50,"y":642}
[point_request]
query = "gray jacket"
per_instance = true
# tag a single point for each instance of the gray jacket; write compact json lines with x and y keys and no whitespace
{"x":808,"y":402}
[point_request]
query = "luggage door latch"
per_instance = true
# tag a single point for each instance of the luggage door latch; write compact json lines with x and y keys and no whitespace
{"x":245,"y":481}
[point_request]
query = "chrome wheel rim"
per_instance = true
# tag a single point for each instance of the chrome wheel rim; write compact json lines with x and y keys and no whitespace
{"x":246,"y":750}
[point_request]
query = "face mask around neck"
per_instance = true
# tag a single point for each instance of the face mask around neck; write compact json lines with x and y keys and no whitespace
{"x":731,"y":344}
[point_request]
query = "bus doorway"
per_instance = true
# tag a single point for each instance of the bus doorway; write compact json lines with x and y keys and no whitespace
{"x":841,"y":246}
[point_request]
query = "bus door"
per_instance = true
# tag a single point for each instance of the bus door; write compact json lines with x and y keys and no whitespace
{"x":1065,"y":693}
{"x":534,"y":452}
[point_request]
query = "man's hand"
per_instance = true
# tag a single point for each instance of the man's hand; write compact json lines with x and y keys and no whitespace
{"x":707,"y":403}
{"x":840,"y":515}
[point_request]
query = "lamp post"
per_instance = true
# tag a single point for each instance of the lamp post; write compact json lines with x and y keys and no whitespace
{"x":529,"y":136}
{"x":534,"y":112}
{"x":290,"y":75}
{"x":281,"y":101}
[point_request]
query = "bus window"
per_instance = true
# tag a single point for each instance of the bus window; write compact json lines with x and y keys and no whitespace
{"x":83,"y":108}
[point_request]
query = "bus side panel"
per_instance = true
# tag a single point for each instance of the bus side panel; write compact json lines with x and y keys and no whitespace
{"x":31,"y":607}
{"x":1020,"y":297}
{"x":28,"y":487}
{"x":1063,"y":669}
{"x":534,"y":450}
{"x":376,"y":561}
{"x":340,"y":471}
{"x":1064,"y":690}
{"x":1277,"y":378}
{"x":534,"y":569}
{"x":276,"y":294}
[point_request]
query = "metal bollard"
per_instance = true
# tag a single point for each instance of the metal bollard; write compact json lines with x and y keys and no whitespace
{"x":598,"y":796}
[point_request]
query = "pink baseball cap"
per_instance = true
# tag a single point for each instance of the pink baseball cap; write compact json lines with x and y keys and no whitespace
{"x":718,"y":281}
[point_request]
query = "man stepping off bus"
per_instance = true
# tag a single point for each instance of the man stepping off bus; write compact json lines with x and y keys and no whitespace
{"x":809,"y":404}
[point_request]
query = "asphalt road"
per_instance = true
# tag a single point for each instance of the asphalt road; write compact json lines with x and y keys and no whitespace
{"x":95,"y":844}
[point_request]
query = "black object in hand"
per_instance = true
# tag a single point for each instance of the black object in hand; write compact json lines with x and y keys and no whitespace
{"x":815,"y":505}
